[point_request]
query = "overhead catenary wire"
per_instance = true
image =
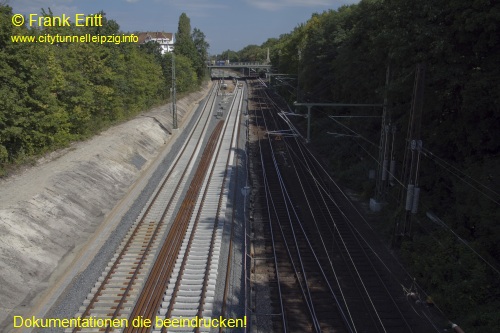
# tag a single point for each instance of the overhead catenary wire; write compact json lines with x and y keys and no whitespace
{"x":356,"y":134}
{"x":294,"y":213}
{"x":364,"y":239}
{"x":460,"y":171}
{"x":342,"y":240}
{"x":461,"y":175}
{"x":268,"y":198}
{"x":323,"y":192}
{"x":313,"y":158}
{"x":446,"y":226}
{"x":304,"y":161}
{"x":303,"y":288}
{"x":426,"y":151}
{"x":323,"y":242}
{"x":324,"y":246}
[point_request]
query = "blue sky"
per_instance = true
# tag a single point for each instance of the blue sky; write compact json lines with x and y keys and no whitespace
{"x":226,"y":24}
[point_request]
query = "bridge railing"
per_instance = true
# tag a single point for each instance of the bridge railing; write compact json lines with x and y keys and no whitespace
{"x":235,"y":64}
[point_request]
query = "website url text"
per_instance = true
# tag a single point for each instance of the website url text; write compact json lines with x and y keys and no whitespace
{"x":87,"y":38}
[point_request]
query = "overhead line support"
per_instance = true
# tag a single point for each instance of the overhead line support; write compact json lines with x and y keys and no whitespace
{"x":174,"y":107}
{"x":310,"y":105}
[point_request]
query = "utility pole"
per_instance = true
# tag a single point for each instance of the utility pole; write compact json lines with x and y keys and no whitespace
{"x":310,"y":105}
{"x":383,"y":161}
{"x":411,"y":162}
{"x":298,"y":74}
{"x":174,"y":107}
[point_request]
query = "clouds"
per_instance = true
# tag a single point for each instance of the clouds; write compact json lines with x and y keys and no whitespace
{"x":200,"y":8}
{"x":199,"y":5}
{"x":58,"y":7}
{"x":274,"y":5}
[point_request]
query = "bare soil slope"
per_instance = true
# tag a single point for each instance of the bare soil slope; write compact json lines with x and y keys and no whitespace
{"x":49,"y":211}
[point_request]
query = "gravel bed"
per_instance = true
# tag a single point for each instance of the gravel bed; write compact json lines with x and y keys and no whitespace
{"x":235,"y":305}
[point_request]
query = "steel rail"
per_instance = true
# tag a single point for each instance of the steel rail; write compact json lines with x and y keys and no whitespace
{"x":309,"y":299}
{"x":235,"y":144}
{"x":304,"y":289}
{"x":310,"y":246}
{"x":320,"y":266}
{"x":195,"y":224}
{"x":299,"y":178}
{"x":162,"y":220}
{"x":245,"y":220}
{"x":188,"y":248}
{"x":268,"y":198}
{"x":323,"y":241}
{"x":155,"y":285}
{"x":304,"y":164}
{"x":149,"y":304}
{"x":322,"y":192}
{"x":138,"y":227}
{"x":221,"y":196}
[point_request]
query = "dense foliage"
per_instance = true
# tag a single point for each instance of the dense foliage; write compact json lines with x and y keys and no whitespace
{"x":344,"y":55}
{"x":52,"y":94}
{"x":250,"y":53}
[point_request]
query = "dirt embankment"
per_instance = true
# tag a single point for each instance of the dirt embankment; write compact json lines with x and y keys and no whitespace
{"x":48,"y":211}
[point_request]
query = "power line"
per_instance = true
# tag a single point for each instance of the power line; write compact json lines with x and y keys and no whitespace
{"x":359,"y":135}
{"x":443,"y":224}
{"x":366,"y":222}
{"x":372,"y":143}
{"x":459,"y":174}
{"x":313,"y":158}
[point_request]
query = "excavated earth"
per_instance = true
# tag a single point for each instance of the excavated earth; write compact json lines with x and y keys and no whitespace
{"x":49,"y":213}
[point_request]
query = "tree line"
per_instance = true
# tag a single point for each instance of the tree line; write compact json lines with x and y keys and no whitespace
{"x":342,"y":56}
{"x":53,"y":94}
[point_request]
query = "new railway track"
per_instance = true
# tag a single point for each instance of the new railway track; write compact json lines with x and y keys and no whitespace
{"x":167,"y":265}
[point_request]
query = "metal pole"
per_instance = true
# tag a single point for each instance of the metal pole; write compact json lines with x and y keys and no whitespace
{"x":298,"y":75}
{"x":382,"y":154}
{"x":310,"y":105}
{"x":308,"y":124}
{"x":174,"y":109}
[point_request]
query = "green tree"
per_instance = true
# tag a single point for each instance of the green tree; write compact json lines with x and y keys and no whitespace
{"x":186,"y":79}
{"x":32,"y":119}
{"x":252,"y":53}
{"x":200,"y":44}
{"x":192,"y":45}
{"x":230,"y":55}
{"x":52,"y":94}
{"x":184,"y":44}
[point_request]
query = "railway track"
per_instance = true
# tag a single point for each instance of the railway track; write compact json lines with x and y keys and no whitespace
{"x":191,"y":289}
{"x":173,"y":246}
{"x":323,"y":276}
{"x":305,"y":303}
